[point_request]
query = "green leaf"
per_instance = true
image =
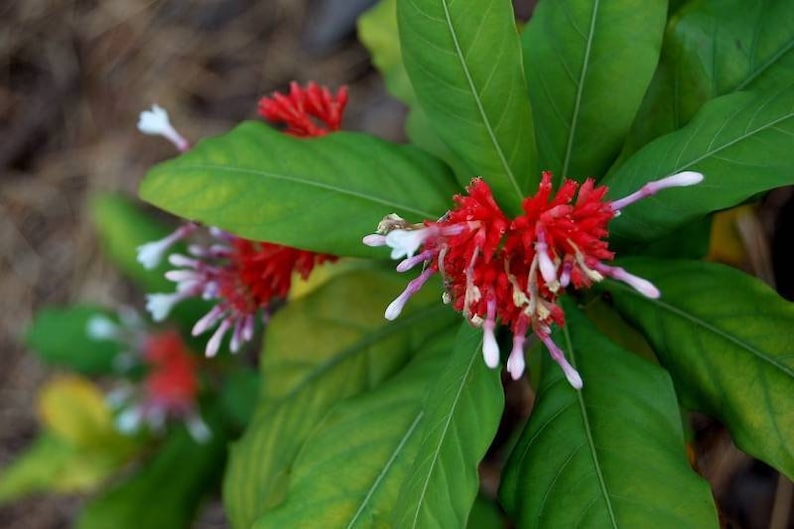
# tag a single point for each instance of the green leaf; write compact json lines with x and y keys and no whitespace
{"x":485,"y":514}
{"x":742,"y":145}
{"x":349,"y":472}
{"x":610,"y":455}
{"x":378,"y":31}
{"x":585,"y":83}
{"x":462,"y":412}
{"x":726,"y":339}
{"x":59,"y":337}
{"x":713,"y":48}
{"x":122,"y":227}
{"x":238,"y":396}
{"x":324,"y":347}
{"x":166,"y":491}
{"x":464,"y":61}
{"x":53,"y":464}
{"x":320,"y":194}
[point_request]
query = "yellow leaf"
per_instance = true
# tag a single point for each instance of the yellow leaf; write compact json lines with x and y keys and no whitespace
{"x":74,"y":409}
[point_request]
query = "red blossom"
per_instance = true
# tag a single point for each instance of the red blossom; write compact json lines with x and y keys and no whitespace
{"x":171,"y":384}
{"x":310,"y":111}
{"x":514,"y":270}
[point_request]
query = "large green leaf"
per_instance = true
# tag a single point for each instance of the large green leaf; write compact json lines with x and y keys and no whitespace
{"x":320,"y":349}
{"x":462,"y":411}
{"x":349,"y":472}
{"x":740,"y":142}
{"x":319,"y":194}
{"x":166,"y":491}
{"x":712,"y":48}
{"x":727,"y":339}
{"x":610,"y":455}
{"x":378,"y":31}
{"x":59,"y":336}
{"x":122,"y":227}
{"x":585,"y":83}
{"x":464,"y":61}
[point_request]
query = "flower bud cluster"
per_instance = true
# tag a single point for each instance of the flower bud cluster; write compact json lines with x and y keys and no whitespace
{"x":498,"y":269}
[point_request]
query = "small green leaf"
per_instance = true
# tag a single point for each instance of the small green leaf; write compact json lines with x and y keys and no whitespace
{"x":320,"y":194}
{"x":59,"y":336}
{"x":324,"y":347}
{"x":585,"y":82}
{"x":464,"y":61}
{"x":349,"y":472}
{"x":462,"y":411}
{"x":122,"y":227}
{"x":166,"y":491}
{"x":610,"y":455}
{"x":742,"y":145}
{"x":726,"y":338}
{"x":712,"y":48}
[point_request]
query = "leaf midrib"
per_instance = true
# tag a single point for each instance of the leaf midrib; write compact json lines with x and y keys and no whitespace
{"x":308,"y":183}
{"x":580,"y":91}
{"x":485,"y":120}
{"x":744,"y":136}
{"x":360,"y":345}
{"x":717,"y":331}
{"x":589,"y":434}
{"x":385,"y":470}
{"x":442,"y":437}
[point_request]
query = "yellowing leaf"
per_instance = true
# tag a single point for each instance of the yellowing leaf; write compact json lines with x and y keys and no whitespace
{"x":74,"y":409}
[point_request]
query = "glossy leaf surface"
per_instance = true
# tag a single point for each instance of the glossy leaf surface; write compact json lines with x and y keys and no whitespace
{"x":610,"y":455}
{"x":464,"y":62}
{"x":726,"y":338}
{"x":712,"y":48}
{"x":742,"y":145}
{"x":329,"y":345}
{"x":462,"y":411}
{"x":321,"y":194}
{"x":586,"y":81}
{"x":349,"y":472}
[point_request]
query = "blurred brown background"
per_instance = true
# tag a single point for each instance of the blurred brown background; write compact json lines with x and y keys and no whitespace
{"x":76,"y":73}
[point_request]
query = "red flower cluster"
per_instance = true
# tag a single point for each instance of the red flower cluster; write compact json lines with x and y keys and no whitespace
{"x":171,"y":384}
{"x":246,"y":277}
{"x":310,"y":111}
{"x":513,"y":270}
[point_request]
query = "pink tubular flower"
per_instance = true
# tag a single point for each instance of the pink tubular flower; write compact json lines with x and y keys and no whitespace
{"x":310,"y":111}
{"x":245,"y":278}
{"x":513,"y":270}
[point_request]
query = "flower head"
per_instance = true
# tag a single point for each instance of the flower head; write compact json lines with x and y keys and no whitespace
{"x":245,"y":278}
{"x":512,"y":271}
{"x":309,"y":111}
{"x":170,"y":386}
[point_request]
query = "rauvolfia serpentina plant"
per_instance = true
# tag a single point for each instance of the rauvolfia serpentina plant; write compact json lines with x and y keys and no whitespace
{"x":515,"y":210}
